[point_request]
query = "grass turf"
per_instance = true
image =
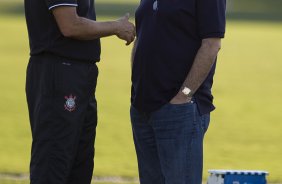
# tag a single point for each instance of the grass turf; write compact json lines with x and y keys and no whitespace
{"x":27,"y":182}
{"x":245,"y":130}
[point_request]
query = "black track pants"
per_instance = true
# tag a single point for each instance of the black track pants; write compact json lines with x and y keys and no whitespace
{"x":63,"y":119}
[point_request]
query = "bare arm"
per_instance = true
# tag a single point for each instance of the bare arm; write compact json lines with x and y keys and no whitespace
{"x":73,"y":26}
{"x":133,"y":52}
{"x":202,"y":65}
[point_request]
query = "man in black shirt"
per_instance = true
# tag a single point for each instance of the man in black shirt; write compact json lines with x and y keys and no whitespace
{"x":60,"y":86}
{"x":172,"y":74}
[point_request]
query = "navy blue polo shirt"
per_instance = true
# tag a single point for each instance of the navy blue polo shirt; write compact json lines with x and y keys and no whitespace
{"x":169,"y":36}
{"x":45,"y":36}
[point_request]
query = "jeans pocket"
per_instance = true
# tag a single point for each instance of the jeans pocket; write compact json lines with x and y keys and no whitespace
{"x":183,"y":104}
{"x":181,"y":108}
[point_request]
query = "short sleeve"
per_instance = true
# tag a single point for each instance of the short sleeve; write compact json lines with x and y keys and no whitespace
{"x":55,"y":3}
{"x":211,"y":18}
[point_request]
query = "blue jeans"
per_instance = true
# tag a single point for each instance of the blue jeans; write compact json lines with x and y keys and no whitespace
{"x":169,"y":144}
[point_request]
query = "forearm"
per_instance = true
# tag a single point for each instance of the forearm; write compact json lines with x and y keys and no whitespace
{"x":85,"y":29}
{"x":203,"y":63}
{"x":73,"y":26}
{"x":133,"y":52}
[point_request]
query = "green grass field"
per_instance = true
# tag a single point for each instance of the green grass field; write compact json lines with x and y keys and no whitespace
{"x":27,"y":182}
{"x":245,"y":130}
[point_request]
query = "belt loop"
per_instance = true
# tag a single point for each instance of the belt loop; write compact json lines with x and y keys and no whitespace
{"x":193,"y":100}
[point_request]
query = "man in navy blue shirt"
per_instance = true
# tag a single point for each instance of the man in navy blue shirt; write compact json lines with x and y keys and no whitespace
{"x":60,"y":86}
{"x":173,"y":64}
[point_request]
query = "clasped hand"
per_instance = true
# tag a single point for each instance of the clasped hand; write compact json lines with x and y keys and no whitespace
{"x":180,"y":98}
{"x":126,"y":30}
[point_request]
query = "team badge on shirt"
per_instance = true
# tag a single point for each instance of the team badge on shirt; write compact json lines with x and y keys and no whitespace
{"x":70,"y":104}
{"x":155,"y":5}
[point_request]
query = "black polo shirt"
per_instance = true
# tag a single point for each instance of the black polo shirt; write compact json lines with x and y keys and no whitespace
{"x":169,"y":36}
{"x":45,"y":36}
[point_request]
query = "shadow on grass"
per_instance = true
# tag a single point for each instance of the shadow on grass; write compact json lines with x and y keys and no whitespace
{"x":115,"y":9}
{"x":260,"y":10}
{"x":254,"y":10}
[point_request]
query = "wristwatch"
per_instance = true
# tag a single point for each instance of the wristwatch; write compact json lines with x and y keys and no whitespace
{"x":186,"y":91}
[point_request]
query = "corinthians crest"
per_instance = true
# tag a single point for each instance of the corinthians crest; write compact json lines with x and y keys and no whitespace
{"x":70,"y":103}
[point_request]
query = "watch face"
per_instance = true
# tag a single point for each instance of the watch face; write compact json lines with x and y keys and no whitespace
{"x":186,"y":91}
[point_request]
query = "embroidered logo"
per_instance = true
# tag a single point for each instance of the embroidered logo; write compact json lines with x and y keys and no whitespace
{"x":70,"y":103}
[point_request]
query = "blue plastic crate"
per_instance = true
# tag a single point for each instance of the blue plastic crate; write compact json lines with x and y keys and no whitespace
{"x":237,"y":177}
